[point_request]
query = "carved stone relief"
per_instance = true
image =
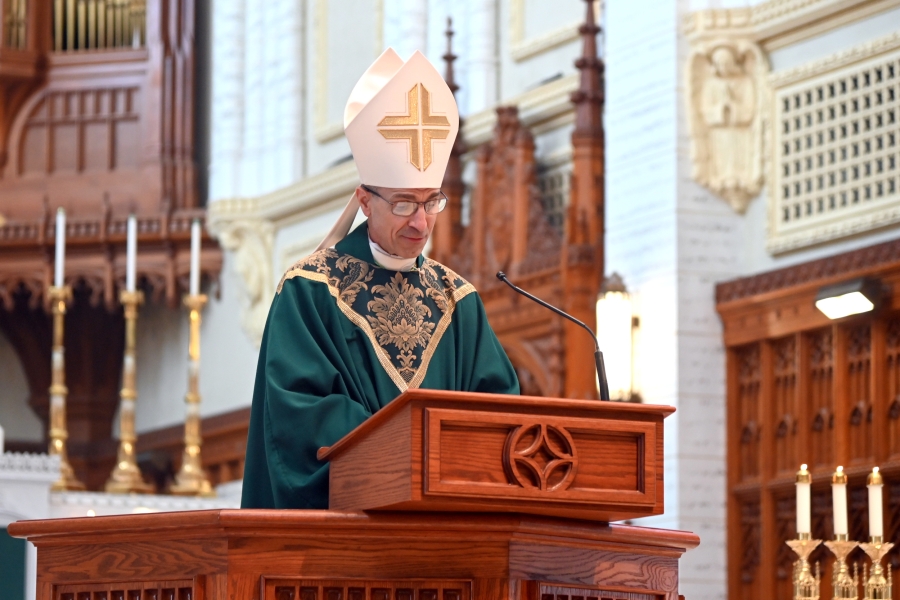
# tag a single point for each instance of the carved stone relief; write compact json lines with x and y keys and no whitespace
{"x":251,"y":240}
{"x":725,"y":83}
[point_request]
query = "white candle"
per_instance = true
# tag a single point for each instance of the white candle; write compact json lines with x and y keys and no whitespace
{"x":131,"y":255}
{"x":876,"y":523}
{"x":59,"y":265}
{"x":839,"y":501}
{"x":803,"y":501}
{"x":195,"y":257}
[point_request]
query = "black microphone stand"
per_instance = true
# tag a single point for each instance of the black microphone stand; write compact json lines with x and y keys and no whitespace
{"x":598,"y":355}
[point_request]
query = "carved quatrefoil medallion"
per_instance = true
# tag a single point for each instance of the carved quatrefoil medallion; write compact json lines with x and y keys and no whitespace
{"x":541,"y":457}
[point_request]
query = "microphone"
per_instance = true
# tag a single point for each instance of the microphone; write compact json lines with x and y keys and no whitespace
{"x":598,"y":355}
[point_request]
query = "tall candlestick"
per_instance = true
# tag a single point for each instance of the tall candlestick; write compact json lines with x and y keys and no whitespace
{"x":126,"y":476}
{"x":195,"y":258}
{"x":876,"y":523}
{"x":804,"y":480}
{"x":131,"y":255}
{"x":59,"y":430}
{"x":191,"y":480}
{"x":60,"y":248}
{"x":839,"y":503}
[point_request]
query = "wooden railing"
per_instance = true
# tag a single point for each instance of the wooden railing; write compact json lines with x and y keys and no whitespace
{"x":15,"y":24}
{"x":98,"y":24}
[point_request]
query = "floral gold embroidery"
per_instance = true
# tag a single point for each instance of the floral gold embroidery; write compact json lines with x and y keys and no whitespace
{"x":404,"y":315}
{"x":317,"y":260}
{"x":358,"y":274}
{"x":399,"y":318}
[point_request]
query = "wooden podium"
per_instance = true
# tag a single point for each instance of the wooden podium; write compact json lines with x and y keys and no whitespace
{"x":439,"y":496}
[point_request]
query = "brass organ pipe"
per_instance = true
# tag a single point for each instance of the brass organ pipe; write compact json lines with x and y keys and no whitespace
{"x":23,"y":23}
{"x":82,"y":24}
{"x":70,"y":24}
{"x":92,"y":24}
{"x":58,"y":25}
{"x":119,"y":26}
{"x":101,"y":23}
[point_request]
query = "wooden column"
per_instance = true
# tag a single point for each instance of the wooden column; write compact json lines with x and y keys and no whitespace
{"x":582,"y":256}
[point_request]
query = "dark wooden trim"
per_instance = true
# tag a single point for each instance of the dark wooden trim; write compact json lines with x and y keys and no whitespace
{"x":848,"y":264}
{"x":210,"y":427}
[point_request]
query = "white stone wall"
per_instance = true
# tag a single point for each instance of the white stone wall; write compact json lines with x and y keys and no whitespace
{"x":672,"y":240}
{"x":18,"y":420}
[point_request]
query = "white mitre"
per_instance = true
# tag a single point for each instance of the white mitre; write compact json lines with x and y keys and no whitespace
{"x":401,"y":121}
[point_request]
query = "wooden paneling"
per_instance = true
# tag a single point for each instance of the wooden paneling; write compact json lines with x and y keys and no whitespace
{"x":478,"y":452}
{"x":274,"y":555}
{"x":803,"y":389}
{"x":361,"y":589}
{"x":222,"y":453}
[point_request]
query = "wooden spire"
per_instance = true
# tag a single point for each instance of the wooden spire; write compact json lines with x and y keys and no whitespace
{"x":588,"y":99}
{"x":448,"y":230}
{"x":582,"y":256}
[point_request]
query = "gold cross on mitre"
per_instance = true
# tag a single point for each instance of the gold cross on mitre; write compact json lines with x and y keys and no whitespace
{"x":417,"y":129}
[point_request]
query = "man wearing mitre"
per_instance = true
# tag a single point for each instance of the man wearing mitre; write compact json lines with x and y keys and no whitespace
{"x":354,"y":325}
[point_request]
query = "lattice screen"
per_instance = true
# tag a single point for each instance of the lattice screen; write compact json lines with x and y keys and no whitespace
{"x":553,"y":181}
{"x":836,"y":152}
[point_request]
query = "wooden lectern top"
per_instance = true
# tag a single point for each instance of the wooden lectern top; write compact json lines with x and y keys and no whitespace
{"x":432,"y":450}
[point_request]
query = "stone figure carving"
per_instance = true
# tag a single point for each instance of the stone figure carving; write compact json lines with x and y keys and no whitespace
{"x":725,"y":117}
{"x":251,"y":240}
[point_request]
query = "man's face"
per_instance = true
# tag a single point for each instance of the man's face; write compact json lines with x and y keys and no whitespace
{"x":402,"y":236}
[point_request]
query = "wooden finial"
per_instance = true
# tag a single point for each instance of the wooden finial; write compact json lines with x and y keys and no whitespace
{"x":588,"y":99}
{"x":449,"y":57}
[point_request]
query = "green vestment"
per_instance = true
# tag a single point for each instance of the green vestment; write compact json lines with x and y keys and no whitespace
{"x":344,"y":337}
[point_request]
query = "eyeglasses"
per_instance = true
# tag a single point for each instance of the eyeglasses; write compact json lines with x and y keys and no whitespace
{"x":407,"y":208}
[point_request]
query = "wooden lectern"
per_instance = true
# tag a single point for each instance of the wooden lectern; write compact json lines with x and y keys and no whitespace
{"x":439,"y":496}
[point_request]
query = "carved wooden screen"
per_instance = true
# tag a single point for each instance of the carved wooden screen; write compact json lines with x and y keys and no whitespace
{"x":97,"y":118}
{"x":803,"y":389}
{"x":556,"y":254}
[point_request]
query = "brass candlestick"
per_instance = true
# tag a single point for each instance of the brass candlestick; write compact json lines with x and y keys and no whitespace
{"x":806,"y":586}
{"x":59,"y":431}
{"x":191,"y":480}
{"x":843,"y":586}
{"x":878,"y":587}
{"x":126,"y":476}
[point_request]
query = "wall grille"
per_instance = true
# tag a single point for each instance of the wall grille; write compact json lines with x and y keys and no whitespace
{"x":836,"y":154}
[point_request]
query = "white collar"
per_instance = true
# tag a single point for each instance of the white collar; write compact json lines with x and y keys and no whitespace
{"x":390,"y":261}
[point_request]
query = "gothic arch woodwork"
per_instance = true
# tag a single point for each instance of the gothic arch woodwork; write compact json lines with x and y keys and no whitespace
{"x":804,"y":389}
{"x":510,"y":229}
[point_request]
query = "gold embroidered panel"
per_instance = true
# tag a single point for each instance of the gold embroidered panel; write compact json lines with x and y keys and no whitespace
{"x":404,"y":314}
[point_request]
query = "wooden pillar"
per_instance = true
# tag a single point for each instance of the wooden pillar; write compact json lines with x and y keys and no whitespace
{"x":878,"y":391}
{"x":770,"y":544}
{"x":582,"y":256}
{"x":840,"y":405}
{"x":448,"y":228}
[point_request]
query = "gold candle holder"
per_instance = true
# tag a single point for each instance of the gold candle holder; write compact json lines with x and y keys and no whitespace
{"x":806,"y":585}
{"x":878,"y":586}
{"x":59,"y":431}
{"x":844,"y":587}
{"x":191,"y":480}
{"x":126,"y":476}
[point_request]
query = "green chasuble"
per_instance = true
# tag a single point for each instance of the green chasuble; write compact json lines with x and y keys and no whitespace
{"x":344,"y":337}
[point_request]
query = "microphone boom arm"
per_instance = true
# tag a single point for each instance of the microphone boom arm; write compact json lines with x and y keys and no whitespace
{"x":598,"y":355}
